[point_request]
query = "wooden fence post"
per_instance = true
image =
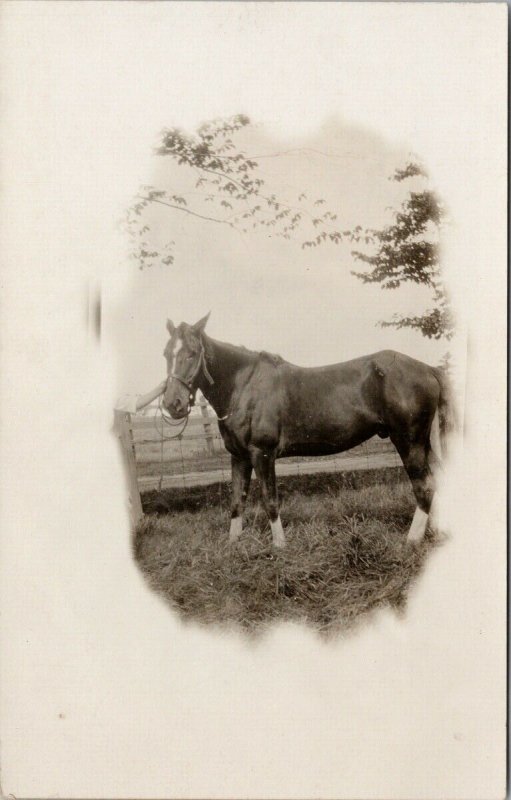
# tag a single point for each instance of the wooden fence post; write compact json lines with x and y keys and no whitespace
{"x":125,"y":434}
{"x":206,"y":421}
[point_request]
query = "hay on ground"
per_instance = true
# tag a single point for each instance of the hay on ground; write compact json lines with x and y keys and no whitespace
{"x":346,"y":556}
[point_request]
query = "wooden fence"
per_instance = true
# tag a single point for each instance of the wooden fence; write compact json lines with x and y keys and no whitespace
{"x":157,"y":456}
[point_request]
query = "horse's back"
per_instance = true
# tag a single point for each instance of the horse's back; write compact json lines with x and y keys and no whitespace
{"x":410,"y":371}
{"x":408,"y":388}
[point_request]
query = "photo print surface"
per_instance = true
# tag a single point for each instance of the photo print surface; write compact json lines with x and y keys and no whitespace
{"x":281,"y":224}
{"x":264,"y":238}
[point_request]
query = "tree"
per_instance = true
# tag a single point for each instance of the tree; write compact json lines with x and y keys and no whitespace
{"x":408,"y":251}
{"x":225,"y":188}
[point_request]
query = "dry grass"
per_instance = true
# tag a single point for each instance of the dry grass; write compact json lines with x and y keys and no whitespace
{"x":346,"y":554}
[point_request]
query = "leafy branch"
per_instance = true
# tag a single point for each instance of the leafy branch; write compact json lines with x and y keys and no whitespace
{"x":408,"y":250}
{"x":230,"y":182}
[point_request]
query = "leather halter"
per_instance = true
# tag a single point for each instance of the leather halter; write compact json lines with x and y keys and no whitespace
{"x":201,"y":364}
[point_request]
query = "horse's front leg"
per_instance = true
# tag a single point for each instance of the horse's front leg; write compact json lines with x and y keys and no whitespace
{"x":241,"y":474}
{"x":264,"y":465}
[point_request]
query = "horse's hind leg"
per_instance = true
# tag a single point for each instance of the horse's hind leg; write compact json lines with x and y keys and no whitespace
{"x":416,"y":456}
{"x":241,"y":474}
{"x":264,"y":465}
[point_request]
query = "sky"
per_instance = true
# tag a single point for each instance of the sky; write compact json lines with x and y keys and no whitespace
{"x":263,"y":291}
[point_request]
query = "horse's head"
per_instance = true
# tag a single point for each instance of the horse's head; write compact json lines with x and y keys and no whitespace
{"x":186,"y":365}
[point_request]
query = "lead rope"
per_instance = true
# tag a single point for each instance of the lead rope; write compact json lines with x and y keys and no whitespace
{"x":168,"y":421}
{"x":160,"y":430}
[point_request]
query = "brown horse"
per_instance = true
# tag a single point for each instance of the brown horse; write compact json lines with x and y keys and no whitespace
{"x":268,"y":408}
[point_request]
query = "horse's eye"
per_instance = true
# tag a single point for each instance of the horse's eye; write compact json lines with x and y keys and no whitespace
{"x":189,"y":358}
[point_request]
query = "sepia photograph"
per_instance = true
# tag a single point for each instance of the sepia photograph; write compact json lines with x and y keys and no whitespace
{"x":253,"y":407}
{"x":361,"y":440}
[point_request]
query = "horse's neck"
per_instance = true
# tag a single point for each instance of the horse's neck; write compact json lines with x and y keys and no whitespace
{"x":223,"y":361}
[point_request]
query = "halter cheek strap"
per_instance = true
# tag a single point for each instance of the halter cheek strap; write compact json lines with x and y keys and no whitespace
{"x":189,"y":384}
{"x":205,"y":369}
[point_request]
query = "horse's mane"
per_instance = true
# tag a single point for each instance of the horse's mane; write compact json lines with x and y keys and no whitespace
{"x":263,"y":355}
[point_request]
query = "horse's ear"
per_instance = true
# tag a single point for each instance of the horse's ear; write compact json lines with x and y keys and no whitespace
{"x":170,"y":326}
{"x":201,"y":324}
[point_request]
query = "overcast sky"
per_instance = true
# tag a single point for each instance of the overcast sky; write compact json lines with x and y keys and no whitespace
{"x":267,"y":292}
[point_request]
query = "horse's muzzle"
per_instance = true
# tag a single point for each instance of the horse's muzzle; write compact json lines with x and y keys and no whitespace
{"x":176,"y":409}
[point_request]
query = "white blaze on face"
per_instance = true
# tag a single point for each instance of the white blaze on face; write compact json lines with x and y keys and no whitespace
{"x":173,"y":358}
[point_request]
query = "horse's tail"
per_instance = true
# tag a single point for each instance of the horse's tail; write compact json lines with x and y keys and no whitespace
{"x":445,"y":422}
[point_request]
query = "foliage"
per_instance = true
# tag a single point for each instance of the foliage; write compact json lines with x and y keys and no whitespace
{"x":408,"y":251}
{"x":227,"y":190}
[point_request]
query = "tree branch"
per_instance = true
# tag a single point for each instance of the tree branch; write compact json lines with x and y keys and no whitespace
{"x":186,"y":210}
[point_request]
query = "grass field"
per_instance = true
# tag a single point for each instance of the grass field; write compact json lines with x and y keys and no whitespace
{"x":346,"y":552}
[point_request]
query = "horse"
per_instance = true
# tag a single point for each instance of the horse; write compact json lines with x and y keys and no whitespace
{"x":268,"y":408}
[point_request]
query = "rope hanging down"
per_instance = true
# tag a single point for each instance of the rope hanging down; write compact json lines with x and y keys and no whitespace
{"x":167,"y":420}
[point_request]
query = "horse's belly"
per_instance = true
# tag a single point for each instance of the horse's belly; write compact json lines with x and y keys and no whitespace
{"x":328,"y":440}
{"x":310,"y":449}
{"x":310,"y":445}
